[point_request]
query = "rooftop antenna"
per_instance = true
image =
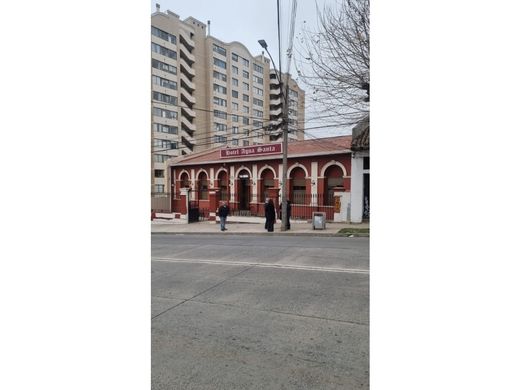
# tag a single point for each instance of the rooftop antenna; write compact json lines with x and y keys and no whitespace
{"x":209,"y":26}
{"x":157,"y":7}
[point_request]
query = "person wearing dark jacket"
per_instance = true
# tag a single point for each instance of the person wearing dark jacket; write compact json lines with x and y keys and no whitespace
{"x":288,"y":224}
{"x":270,"y":216}
{"x":223,"y":212}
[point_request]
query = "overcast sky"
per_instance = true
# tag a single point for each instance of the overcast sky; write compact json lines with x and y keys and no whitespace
{"x":251,"y":20}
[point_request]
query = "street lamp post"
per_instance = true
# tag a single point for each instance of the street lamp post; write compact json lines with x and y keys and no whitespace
{"x":285,"y":140}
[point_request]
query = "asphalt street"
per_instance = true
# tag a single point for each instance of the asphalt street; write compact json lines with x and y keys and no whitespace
{"x":259,"y":312}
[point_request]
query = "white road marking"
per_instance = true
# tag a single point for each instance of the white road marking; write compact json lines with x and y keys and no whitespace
{"x":263,"y":265}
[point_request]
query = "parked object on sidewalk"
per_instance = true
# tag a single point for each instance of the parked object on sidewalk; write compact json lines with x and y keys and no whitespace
{"x":270,"y":216}
{"x":223,"y":212}
{"x":318,"y":220}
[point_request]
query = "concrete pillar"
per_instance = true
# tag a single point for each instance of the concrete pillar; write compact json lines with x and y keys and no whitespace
{"x":183,"y":209}
{"x":356,"y":190}
{"x":341,"y":205}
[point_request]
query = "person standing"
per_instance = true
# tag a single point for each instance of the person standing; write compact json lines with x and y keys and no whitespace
{"x":223,"y":212}
{"x":270,"y":216}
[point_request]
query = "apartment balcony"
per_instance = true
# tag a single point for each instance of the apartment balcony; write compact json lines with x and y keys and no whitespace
{"x":187,"y":84}
{"x":187,"y":98}
{"x":184,"y":38}
{"x":187,"y":130}
{"x":187,"y":56}
{"x":275,"y":101}
{"x":188,"y":112}
{"x":186,"y":123}
{"x":275,"y":110}
{"x":186,"y":68}
{"x":187,"y":143}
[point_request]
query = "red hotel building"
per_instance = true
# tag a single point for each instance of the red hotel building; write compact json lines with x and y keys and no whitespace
{"x":318,"y":170}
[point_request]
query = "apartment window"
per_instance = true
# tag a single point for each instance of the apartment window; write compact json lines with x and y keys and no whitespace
{"x":234,"y":69}
{"x":258,"y":113}
{"x":234,"y":118}
{"x":163,"y":66}
{"x":220,"y":139}
{"x":235,"y":105}
{"x":160,"y":158}
{"x":245,"y":62}
{"x":235,"y":82}
{"x":160,"y":128}
{"x":245,"y":143}
{"x":258,"y":102}
{"x":162,"y":97}
{"x":220,"y":114}
{"x":163,"y":51}
{"x":257,"y":123}
{"x":234,"y":93}
{"x":246,"y":132}
{"x":158,"y":188}
{"x":219,"y":49}
{"x":245,"y":86}
{"x":245,"y":97}
{"x":234,"y":56}
{"x":293,"y":93}
{"x":258,"y":68}
{"x":164,"y":113}
{"x":219,"y":89}
{"x":258,"y":91}
{"x":219,"y":63}
{"x":245,"y":121}
{"x":164,"y":35}
{"x":219,"y":101}
{"x":220,"y":126}
{"x":245,"y":109}
{"x":234,"y":130}
{"x":245,"y":74}
{"x":164,"y":144}
{"x":158,"y":173}
{"x":219,"y":76}
{"x":164,"y":82}
{"x":234,"y":141}
{"x":258,"y":80}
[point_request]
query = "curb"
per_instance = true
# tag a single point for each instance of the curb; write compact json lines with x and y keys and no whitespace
{"x":268,"y":234}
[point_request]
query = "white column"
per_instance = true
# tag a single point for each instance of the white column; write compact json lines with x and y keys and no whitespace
{"x":232,"y":183}
{"x":356,"y":190}
{"x":314,"y":178}
{"x":211,"y":177}
{"x":193,"y":178}
{"x":254,"y":180}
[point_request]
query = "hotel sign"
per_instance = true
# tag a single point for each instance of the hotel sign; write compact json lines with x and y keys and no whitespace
{"x":257,"y":150}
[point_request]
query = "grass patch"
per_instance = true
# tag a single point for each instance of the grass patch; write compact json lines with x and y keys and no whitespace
{"x":354,"y":230}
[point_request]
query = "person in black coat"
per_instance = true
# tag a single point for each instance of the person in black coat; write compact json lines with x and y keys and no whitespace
{"x":288,"y":224}
{"x":223,"y":212}
{"x":270,"y":216}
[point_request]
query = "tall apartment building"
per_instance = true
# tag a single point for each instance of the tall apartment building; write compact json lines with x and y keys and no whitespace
{"x":208,"y":93}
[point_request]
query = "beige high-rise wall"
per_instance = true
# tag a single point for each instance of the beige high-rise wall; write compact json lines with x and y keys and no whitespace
{"x":187,"y":88}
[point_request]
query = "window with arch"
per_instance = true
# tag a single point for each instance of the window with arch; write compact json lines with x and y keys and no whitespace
{"x":185,"y":180}
{"x":333,"y":178}
{"x":298,"y":185}
{"x":203,"y":186}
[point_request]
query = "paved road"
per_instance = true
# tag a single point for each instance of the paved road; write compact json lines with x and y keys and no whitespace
{"x":257,"y":312}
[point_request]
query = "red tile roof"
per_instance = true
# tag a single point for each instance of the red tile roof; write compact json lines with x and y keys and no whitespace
{"x":330,"y":145}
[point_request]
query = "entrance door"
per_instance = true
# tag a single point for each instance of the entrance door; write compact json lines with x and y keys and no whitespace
{"x":243,"y":190}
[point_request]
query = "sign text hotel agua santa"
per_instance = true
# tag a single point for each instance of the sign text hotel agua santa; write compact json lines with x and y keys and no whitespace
{"x":257,"y":150}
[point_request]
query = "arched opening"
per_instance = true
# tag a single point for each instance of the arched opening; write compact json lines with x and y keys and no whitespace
{"x":202,"y":187}
{"x":184,"y":180}
{"x":267,"y":182}
{"x":223,"y":185}
{"x":298,"y":186}
{"x":244,"y":189}
{"x":333,"y":178}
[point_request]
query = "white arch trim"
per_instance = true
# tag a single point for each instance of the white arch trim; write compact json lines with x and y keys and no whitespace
{"x":202,"y":170}
{"x":237,"y":171}
{"x":297,"y":165}
{"x":221,"y":169}
{"x":263,"y":169}
{"x":330,"y":163}
{"x":186,"y":172}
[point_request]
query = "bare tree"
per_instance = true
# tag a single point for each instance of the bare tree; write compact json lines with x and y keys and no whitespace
{"x":334,"y":61}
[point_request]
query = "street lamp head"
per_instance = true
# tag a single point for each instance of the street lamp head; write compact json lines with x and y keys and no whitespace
{"x":263,"y":43}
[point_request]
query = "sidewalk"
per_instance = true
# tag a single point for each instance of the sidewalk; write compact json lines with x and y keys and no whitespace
{"x":248,"y":225}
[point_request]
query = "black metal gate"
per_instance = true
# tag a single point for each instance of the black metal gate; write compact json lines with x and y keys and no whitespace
{"x":193,"y":207}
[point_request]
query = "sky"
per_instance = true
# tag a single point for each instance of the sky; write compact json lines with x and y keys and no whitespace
{"x":249,"y":21}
